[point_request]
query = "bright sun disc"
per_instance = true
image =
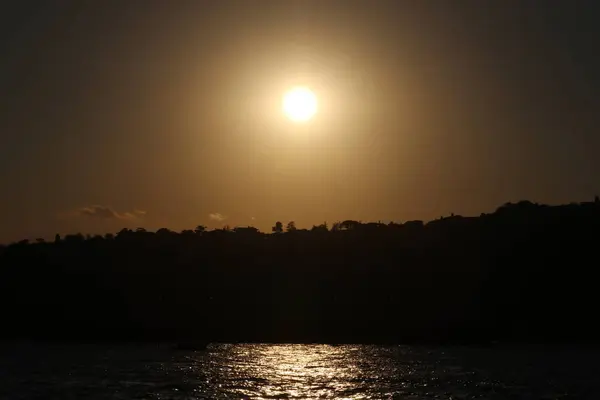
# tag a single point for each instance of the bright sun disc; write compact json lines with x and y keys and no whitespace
{"x":300,"y":104}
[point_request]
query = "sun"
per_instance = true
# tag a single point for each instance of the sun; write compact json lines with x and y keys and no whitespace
{"x":300,"y":104}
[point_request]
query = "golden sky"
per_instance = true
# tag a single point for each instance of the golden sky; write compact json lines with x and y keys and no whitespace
{"x":168,"y":114}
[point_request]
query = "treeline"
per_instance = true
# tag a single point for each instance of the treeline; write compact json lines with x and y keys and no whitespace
{"x":525,"y":272}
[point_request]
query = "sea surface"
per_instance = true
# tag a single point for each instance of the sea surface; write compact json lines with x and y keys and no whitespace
{"x":263,"y":371}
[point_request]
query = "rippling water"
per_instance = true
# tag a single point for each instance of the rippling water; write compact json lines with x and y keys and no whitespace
{"x":29,"y":371}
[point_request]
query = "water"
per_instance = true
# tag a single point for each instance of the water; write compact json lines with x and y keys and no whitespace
{"x":34,"y":371}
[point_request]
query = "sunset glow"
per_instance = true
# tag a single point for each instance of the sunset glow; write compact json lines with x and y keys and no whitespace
{"x":300,"y":104}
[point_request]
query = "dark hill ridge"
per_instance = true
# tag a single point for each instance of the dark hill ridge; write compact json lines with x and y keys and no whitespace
{"x":525,"y":272}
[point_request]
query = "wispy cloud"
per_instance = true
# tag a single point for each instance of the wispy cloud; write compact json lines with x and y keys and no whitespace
{"x":105,"y":212}
{"x":217,"y":217}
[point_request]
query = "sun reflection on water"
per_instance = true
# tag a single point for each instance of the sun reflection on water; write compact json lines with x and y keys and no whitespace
{"x":300,"y":371}
{"x":251,"y":371}
{"x":320,"y":371}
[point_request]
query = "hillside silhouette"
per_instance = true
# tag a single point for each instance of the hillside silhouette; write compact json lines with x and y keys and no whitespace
{"x":525,"y":272}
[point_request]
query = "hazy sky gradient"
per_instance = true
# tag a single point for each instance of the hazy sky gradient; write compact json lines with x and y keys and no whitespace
{"x":173,"y":108}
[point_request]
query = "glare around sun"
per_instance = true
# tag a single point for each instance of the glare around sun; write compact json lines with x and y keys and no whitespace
{"x":300,"y":104}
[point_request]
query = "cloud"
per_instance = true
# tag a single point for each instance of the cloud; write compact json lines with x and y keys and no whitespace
{"x":217,"y":217}
{"x":104,"y":212}
{"x":135,"y":214}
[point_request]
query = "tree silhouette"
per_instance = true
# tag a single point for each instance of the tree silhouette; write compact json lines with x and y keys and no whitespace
{"x":320,"y":228}
{"x":165,"y":285}
{"x":349,"y":224}
{"x":278,"y":228}
{"x":246,"y":230}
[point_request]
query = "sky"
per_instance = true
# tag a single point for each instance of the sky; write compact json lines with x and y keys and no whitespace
{"x":150,"y":113}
